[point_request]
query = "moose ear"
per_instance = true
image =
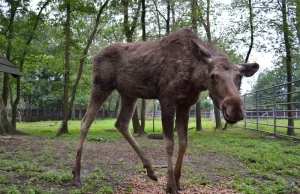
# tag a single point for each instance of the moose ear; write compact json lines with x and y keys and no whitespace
{"x":201,"y":52}
{"x":248,"y":69}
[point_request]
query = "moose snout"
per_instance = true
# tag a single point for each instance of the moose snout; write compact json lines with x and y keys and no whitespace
{"x":233,"y":109}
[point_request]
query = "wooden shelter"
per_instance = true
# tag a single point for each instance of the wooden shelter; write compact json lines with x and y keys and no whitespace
{"x":8,"y":67}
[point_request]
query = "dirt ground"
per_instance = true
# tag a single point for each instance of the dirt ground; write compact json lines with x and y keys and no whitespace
{"x":121,"y":169}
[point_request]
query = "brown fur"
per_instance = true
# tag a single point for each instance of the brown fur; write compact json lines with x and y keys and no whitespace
{"x":174,"y":70}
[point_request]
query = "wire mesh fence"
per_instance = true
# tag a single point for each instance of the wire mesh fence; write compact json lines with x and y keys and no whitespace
{"x":274,"y":110}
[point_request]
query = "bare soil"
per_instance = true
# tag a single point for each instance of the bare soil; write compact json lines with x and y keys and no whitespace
{"x":121,"y":168}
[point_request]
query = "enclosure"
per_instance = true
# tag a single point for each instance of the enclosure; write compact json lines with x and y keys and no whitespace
{"x":53,"y":44}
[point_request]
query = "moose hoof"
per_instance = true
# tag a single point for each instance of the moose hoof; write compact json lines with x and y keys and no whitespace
{"x":172,"y":190}
{"x":76,"y":182}
{"x":180,"y":188}
{"x":152,"y":176}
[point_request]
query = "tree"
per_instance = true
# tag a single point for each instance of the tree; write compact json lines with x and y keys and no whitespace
{"x":167,"y":20}
{"x":288,"y":62}
{"x":205,"y":21}
{"x":21,"y":64}
{"x":5,"y":126}
{"x":251,"y":40}
{"x":14,"y":5}
{"x":129,"y":29}
{"x":298,"y":19}
{"x":116,"y":112}
{"x":194,"y":18}
{"x":144,"y":102}
{"x":64,"y":126}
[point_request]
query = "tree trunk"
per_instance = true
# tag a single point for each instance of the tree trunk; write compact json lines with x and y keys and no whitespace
{"x":153,"y":119}
{"x":251,"y":41}
{"x":13,"y":9}
{"x":116,"y":113}
{"x":298,"y":20}
{"x":143,"y":118}
{"x":207,"y":26}
{"x":168,"y":16}
{"x":135,"y":122}
{"x":251,"y":31}
{"x":16,"y":102}
{"x":103,"y":112}
{"x":64,"y":126}
{"x":194,"y":19}
{"x":28,"y":118}
{"x":129,"y":29}
{"x":144,"y":102}
{"x":5,"y":126}
{"x":194,"y":16}
{"x":288,"y":60}
{"x":80,"y":112}
{"x":173,"y":13}
{"x":5,"y":89}
{"x":157,"y":18}
{"x":109,"y":105}
{"x":198,"y":116}
{"x":217,"y":118}
{"x":73,"y":112}
{"x":81,"y":64}
{"x":208,"y":33}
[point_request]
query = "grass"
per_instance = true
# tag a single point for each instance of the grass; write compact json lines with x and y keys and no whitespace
{"x":259,"y":165}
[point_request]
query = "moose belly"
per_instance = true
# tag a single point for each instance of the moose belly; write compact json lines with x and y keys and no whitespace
{"x":137,"y":87}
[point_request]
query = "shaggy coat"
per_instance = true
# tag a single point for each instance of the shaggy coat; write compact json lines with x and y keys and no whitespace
{"x":174,"y":70}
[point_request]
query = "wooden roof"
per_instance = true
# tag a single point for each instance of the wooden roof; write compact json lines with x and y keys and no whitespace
{"x":8,"y":67}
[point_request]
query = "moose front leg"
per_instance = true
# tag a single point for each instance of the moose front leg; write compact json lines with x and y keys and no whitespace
{"x":168,"y":114}
{"x":182,"y":119}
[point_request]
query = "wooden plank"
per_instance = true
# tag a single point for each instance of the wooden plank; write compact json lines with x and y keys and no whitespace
{"x":155,"y":136}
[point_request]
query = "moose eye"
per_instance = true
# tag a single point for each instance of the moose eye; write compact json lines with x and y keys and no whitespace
{"x":213,"y":77}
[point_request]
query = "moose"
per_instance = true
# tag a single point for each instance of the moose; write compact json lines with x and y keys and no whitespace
{"x":174,"y":70}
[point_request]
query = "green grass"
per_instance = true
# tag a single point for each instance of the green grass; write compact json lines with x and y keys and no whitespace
{"x":100,"y":128}
{"x":268,"y":165}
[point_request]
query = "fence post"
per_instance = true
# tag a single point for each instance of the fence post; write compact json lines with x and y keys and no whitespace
{"x":245,"y":122}
{"x":274,"y":109}
{"x":256,"y":104}
{"x":212,"y":115}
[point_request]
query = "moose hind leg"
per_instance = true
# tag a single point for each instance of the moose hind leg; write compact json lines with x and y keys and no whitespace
{"x":122,"y":124}
{"x":96,"y":100}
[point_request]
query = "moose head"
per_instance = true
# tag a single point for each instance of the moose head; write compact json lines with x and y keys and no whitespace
{"x":224,"y":81}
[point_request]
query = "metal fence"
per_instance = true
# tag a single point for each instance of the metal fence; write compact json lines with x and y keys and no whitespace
{"x":266,"y":110}
{"x":204,"y":114}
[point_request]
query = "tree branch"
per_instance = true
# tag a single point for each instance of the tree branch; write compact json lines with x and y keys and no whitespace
{"x":156,"y":9}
